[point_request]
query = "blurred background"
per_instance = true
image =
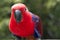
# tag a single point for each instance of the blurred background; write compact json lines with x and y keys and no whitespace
{"x":48,"y":10}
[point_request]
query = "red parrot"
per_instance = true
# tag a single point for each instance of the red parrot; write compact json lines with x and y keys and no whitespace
{"x":23,"y":23}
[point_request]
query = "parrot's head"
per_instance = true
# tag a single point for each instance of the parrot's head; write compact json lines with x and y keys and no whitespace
{"x":18,"y":10}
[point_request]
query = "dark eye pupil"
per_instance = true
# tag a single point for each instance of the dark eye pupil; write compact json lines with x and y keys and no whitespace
{"x":25,"y":9}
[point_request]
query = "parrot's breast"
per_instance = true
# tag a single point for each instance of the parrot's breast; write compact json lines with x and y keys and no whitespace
{"x":24,"y":28}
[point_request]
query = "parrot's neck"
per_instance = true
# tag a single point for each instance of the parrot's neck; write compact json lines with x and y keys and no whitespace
{"x":26,"y":15}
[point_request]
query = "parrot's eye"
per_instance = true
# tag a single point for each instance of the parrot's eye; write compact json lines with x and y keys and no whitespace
{"x":25,"y":9}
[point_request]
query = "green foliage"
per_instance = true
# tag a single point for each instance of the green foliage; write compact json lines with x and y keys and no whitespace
{"x":4,"y":30}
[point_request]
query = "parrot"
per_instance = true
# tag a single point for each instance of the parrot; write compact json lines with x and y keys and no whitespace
{"x":24,"y":23}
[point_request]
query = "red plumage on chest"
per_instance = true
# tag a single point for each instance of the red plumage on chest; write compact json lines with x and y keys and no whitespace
{"x":24,"y":28}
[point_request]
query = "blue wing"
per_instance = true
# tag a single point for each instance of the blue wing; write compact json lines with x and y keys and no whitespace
{"x":36,"y":20}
